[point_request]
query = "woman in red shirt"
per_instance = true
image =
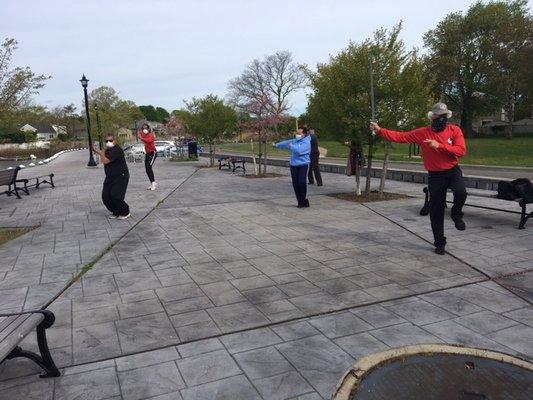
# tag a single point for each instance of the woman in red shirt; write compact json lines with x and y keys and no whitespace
{"x":442,"y":145}
{"x":148,"y":138}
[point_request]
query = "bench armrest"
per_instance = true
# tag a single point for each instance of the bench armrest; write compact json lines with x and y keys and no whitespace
{"x":49,"y":317}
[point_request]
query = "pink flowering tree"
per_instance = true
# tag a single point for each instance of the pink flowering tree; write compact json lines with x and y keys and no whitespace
{"x":173,"y":128}
{"x":265,"y":118}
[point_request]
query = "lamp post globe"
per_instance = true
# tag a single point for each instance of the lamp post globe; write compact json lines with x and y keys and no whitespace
{"x":84,"y":83}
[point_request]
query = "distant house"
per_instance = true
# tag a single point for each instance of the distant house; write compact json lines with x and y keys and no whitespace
{"x":44,"y":131}
{"x":126,"y":135}
{"x":499,"y":125}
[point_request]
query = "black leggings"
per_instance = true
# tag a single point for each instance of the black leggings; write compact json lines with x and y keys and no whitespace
{"x":314,"y":168}
{"x":438,"y":184}
{"x":299,"y":182}
{"x":149,"y":160}
{"x":113,"y":194}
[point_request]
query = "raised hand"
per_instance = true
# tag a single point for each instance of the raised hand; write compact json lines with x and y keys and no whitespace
{"x":374,"y":127}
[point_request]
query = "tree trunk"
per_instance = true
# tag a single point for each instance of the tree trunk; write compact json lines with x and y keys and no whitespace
{"x":369,"y":164}
{"x":466,"y":121}
{"x":253,"y":155}
{"x":384,"y":170}
{"x":510,"y":115}
{"x":357,"y":178}
{"x":259,"y":157}
{"x":265,"y":159}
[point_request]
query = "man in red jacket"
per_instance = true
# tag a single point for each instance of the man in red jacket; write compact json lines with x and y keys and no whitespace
{"x":148,"y":138}
{"x":442,"y":145}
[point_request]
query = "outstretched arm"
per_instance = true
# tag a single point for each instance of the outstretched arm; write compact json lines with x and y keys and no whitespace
{"x":286,"y":144}
{"x":102,"y":155}
{"x":413,"y":136}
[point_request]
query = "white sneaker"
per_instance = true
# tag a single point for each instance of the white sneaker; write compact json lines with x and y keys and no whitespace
{"x":124,"y":216}
{"x":153,"y":186}
{"x":112,"y":216}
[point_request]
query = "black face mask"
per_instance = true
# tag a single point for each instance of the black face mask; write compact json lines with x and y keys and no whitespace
{"x":439,"y":124}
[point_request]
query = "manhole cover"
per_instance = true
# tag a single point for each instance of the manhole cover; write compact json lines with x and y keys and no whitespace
{"x":437,"y":372}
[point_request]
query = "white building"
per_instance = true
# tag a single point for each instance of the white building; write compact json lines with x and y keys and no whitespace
{"x":44,"y":131}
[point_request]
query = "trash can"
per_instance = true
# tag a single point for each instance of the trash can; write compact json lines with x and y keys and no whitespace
{"x":193,"y":149}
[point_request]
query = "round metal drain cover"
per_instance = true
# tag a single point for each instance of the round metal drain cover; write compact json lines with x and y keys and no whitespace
{"x":437,"y":372}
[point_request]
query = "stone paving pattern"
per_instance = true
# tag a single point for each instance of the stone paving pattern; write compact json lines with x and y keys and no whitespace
{"x":231,"y":259}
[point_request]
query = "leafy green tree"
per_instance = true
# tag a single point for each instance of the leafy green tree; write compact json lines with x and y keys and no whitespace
{"x":339,"y":104}
{"x":114,"y":112}
{"x":162,"y":114}
{"x":469,"y":53}
{"x":184,"y":117}
{"x":210,"y":119}
{"x":510,"y":80}
{"x":149,"y":112}
{"x":17,"y":84}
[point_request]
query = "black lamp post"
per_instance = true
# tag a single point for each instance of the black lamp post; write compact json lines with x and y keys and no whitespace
{"x":98,"y":126}
{"x":84,"y":82}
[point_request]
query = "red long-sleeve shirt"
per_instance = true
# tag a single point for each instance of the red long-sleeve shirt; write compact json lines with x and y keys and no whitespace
{"x":451,"y":140}
{"x":149,"y":142}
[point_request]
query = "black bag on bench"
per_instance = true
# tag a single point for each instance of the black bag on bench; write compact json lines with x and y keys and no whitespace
{"x":521,"y":188}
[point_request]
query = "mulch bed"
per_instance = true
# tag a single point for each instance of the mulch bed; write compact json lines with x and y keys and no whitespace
{"x":7,"y":234}
{"x":372,"y":197}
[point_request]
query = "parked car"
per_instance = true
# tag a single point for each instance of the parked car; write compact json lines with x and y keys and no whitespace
{"x":135,"y":148}
{"x":162,"y":147}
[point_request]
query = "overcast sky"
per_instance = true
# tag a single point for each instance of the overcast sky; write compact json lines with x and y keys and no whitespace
{"x":161,"y":52}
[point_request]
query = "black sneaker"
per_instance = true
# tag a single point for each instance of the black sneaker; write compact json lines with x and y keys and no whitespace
{"x":459,"y":224}
{"x":306,"y":203}
{"x":440,"y":250}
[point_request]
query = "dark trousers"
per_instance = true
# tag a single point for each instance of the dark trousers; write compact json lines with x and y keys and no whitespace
{"x":315,"y":169}
{"x":149,"y":160}
{"x":113,"y":194}
{"x":438,"y":184}
{"x":299,"y":182}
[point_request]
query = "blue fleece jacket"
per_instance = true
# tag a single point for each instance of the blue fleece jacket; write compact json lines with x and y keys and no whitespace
{"x":300,"y":150}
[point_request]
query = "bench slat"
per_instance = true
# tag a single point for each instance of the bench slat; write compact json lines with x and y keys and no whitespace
{"x":8,"y":341}
{"x":6,"y":321}
{"x":12,"y":326}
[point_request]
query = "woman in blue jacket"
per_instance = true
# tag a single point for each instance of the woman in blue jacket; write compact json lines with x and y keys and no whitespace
{"x":300,"y":148}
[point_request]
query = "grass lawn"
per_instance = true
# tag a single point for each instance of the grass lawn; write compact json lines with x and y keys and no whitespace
{"x":7,"y":234}
{"x":517,"y":152}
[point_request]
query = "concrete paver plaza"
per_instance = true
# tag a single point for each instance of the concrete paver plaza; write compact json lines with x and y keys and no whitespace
{"x":219,"y":287}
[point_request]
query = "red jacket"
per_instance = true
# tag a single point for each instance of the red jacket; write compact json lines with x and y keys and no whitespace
{"x":451,"y":140}
{"x":149,"y":142}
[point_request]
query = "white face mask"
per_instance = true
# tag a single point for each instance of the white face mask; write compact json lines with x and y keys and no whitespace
{"x":298,"y":136}
{"x":109,"y":144}
{"x":145,"y":131}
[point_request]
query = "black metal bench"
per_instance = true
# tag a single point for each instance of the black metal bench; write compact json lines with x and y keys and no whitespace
{"x":39,"y":180}
{"x":224,"y":162}
{"x":524,"y":215}
{"x":8,"y":177}
{"x":15,"y":327}
{"x":238,"y":163}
